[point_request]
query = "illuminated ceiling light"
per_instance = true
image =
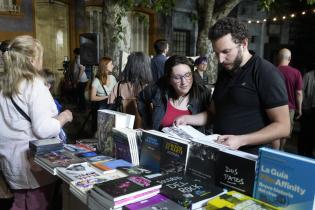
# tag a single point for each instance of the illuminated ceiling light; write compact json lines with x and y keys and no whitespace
{"x":257,"y":21}
{"x":249,"y":21}
{"x":284,"y":17}
{"x":292,"y":15}
{"x":274,"y":19}
{"x":265,"y":20}
{"x":314,"y":10}
{"x":303,"y":13}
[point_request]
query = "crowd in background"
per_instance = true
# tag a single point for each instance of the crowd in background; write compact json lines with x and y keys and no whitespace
{"x":254,"y":103}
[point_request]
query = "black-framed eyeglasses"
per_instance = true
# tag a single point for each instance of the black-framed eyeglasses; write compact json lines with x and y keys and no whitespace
{"x":178,"y":78}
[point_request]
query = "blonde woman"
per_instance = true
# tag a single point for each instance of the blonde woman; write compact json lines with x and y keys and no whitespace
{"x":21,"y":86}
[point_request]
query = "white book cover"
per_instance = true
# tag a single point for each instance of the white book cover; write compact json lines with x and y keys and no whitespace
{"x":122,"y":120}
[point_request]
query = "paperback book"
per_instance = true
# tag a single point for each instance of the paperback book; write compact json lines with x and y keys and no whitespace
{"x":156,"y":202}
{"x":45,"y":145}
{"x":189,"y":192}
{"x":231,"y":169}
{"x":238,"y":201}
{"x":82,"y":186}
{"x":106,"y":121}
{"x":126,"y":145}
{"x":61,"y":158}
{"x":285,"y":180}
{"x":77,"y":171}
{"x":112,"y":164}
{"x":125,"y":187}
{"x":163,"y":154}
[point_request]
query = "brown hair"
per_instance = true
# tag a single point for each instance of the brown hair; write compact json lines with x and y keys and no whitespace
{"x":102,"y":72}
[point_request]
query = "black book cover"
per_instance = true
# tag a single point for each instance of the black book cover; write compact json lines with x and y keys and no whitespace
{"x":173,"y":156}
{"x":126,"y":187}
{"x":235,"y":172}
{"x":202,"y":162}
{"x":187,"y":191}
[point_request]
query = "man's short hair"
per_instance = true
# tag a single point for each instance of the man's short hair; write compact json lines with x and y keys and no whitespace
{"x":160,"y":45}
{"x":227,"y":25}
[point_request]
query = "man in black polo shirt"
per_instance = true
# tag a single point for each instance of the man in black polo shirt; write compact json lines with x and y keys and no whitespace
{"x":250,"y":104}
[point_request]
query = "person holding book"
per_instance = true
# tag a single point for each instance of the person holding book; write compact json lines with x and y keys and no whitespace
{"x":175,"y":94}
{"x":27,"y":112}
{"x":102,"y":86}
{"x":250,"y":102}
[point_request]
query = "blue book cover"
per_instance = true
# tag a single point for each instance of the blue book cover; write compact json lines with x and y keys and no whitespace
{"x":150,"y":155}
{"x":285,"y":180}
{"x":121,"y":147}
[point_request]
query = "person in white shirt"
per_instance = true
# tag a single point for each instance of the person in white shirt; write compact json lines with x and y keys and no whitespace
{"x":21,"y":84}
{"x":102,"y":86}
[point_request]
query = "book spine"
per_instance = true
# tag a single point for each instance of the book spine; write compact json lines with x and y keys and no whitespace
{"x":258,"y":163}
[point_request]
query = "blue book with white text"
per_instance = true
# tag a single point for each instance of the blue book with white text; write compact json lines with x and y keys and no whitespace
{"x":285,"y":180}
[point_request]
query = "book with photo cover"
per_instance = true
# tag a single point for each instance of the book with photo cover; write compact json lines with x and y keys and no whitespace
{"x":285,"y":180}
{"x":156,"y":202}
{"x":231,"y":169}
{"x":61,"y":158}
{"x":82,"y":186}
{"x":106,"y":121}
{"x":174,"y":155}
{"x":237,"y":200}
{"x":77,"y":171}
{"x":189,"y":192}
{"x":125,"y":187}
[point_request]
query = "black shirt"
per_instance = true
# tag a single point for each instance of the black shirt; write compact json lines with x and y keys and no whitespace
{"x":242,"y":97}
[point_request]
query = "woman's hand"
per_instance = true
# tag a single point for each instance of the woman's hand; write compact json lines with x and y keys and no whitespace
{"x":64,"y":117}
{"x":181,"y":120}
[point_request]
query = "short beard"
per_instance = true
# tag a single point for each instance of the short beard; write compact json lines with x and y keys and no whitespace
{"x":237,"y":62}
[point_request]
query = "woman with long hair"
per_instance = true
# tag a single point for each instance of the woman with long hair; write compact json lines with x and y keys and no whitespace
{"x":135,"y":76}
{"x":102,"y":86}
{"x":22,"y":86}
{"x":177,"y":93}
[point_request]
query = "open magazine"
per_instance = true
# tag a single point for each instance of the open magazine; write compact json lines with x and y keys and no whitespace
{"x":190,"y":133}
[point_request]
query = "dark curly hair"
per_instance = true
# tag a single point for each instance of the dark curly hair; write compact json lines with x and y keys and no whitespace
{"x":227,"y":25}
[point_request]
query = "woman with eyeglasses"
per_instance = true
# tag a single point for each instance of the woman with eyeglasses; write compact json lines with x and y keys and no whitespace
{"x":174,"y":95}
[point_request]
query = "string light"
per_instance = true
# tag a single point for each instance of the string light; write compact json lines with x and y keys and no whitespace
{"x":283,"y":17}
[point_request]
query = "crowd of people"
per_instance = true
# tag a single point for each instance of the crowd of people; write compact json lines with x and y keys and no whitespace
{"x":254,"y":102}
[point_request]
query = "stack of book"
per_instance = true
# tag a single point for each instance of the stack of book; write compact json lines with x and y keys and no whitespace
{"x":43,"y":146}
{"x":189,"y":192}
{"x":77,"y":171}
{"x":51,"y":160}
{"x":156,"y":202}
{"x":81,"y":187}
{"x":119,"y":192}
